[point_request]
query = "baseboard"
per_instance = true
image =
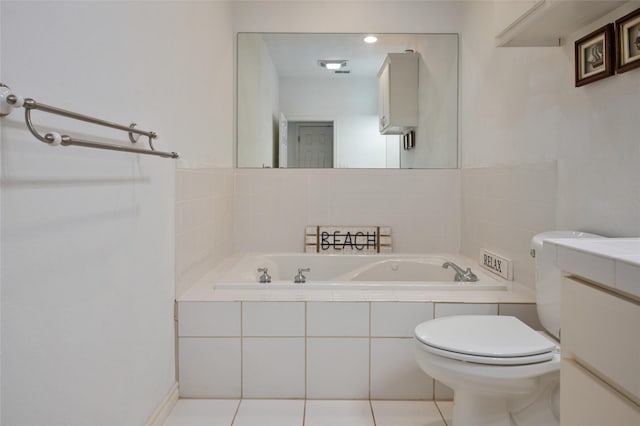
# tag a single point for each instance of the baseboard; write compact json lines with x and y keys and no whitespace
{"x":164,"y":408}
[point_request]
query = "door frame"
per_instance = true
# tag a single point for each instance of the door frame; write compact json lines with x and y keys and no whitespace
{"x":308,"y":118}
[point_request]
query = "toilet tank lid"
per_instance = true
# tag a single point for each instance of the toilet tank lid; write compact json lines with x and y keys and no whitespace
{"x":538,"y":240}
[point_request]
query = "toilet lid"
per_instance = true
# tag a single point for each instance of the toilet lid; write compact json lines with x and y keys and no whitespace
{"x":477,"y":336}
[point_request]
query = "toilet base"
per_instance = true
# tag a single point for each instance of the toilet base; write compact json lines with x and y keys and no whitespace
{"x":471,"y":409}
{"x":538,"y":409}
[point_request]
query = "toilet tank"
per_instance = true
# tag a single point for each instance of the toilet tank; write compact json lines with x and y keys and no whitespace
{"x":548,"y":278}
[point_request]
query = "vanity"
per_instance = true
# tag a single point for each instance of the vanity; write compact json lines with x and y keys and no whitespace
{"x":600,"y":377}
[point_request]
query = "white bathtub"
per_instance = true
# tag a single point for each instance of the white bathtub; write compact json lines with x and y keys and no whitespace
{"x":349,"y":272}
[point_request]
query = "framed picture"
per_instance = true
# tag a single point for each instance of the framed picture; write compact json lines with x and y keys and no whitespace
{"x":628,"y":42}
{"x":594,"y":56}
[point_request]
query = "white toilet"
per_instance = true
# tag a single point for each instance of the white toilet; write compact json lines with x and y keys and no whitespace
{"x":502,"y":372}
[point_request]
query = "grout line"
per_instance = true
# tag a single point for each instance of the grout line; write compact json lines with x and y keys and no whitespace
{"x":373,"y":415}
{"x":235,"y":415}
{"x":440,"y":411}
{"x":304,"y":412}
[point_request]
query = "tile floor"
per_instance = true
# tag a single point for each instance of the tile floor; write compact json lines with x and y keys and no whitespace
{"x":297,"y":412}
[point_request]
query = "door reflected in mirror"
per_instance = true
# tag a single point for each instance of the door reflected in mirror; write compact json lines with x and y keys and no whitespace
{"x":313,"y":101}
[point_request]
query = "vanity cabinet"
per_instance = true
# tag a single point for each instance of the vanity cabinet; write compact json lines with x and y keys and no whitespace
{"x":600,"y":375}
{"x":398,"y":93}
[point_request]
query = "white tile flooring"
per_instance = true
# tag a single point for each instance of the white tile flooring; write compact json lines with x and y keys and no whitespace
{"x":298,"y":412}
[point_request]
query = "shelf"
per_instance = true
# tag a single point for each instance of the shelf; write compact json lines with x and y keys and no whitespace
{"x":548,"y":22}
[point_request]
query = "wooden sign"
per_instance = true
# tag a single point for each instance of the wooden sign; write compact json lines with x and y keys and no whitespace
{"x":348,"y":239}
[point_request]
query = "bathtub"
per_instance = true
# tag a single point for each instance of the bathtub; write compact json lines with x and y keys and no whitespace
{"x":355,"y":272}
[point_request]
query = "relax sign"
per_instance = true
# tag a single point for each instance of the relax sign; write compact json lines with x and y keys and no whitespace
{"x":496,"y":264}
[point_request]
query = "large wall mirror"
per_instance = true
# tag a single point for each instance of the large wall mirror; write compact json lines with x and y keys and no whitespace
{"x":312,"y":101}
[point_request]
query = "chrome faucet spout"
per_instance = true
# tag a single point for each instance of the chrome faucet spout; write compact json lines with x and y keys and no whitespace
{"x":461,"y":274}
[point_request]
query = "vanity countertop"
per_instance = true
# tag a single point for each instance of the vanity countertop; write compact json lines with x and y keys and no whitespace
{"x":611,"y":262}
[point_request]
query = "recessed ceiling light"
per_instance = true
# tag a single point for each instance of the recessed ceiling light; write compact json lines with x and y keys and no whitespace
{"x":370,"y":39}
{"x":332,"y":64}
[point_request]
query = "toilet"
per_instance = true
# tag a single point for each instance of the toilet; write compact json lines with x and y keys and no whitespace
{"x":502,"y":372}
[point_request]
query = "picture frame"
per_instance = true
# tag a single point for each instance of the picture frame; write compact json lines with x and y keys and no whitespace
{"x":594,"y":56}
{"x":628,"y":42}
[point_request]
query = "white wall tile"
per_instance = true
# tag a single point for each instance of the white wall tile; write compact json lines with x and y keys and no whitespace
{"x":209,"y":319}
{"x":448,"y":309}
{"x":349,"y":197}
{"x":398,"y":319}
{"x":209,"y":367}
{"x":504,"y":207}
{"x":338,"y":368}
{"x":273,"y":368}
{"x":273,"y":319}
{"x":395,"y":373}
{"x":203,"y":222}
{"x":338,"y":319}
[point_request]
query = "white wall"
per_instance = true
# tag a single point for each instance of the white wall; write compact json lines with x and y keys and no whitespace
{"x":88,"y":235}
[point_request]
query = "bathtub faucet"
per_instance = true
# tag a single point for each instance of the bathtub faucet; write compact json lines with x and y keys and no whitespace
{"x":461,"y":274}
{"x":265,"y":277}
{"x":299,"y":278}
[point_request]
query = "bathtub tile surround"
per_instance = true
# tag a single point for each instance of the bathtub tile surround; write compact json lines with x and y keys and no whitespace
{"x":206,"y":319}
{"x":338,"y":368}
{"x":274,"y":367}
{"x":273,"y":319}
{"x":311,"y":349}
{"x":209,"y":367}
{"x":338,"y":319}
{"x":204,"y":220}
{"x":405,"y":316}
{"x":504,"y":207}
{"x":394,"y":372}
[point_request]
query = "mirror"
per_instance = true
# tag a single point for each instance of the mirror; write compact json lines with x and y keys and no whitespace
{"x":294,"y":111}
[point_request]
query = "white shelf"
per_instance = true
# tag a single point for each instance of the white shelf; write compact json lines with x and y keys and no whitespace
{"x":548,"y":22}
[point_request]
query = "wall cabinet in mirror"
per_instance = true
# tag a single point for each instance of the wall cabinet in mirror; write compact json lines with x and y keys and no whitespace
{"x":398,"y":93}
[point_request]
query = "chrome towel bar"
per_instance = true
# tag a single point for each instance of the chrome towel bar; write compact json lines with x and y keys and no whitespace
{"x":9,"y":100}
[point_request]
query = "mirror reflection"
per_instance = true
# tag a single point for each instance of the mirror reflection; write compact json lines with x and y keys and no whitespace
{"x":336,"y":101}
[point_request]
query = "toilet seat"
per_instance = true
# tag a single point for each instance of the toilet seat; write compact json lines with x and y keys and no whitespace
{"x":485,"y":339}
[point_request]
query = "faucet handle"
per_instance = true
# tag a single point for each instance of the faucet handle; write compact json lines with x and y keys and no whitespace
{"x":265,"y":277}
{"x":300,"y":278}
